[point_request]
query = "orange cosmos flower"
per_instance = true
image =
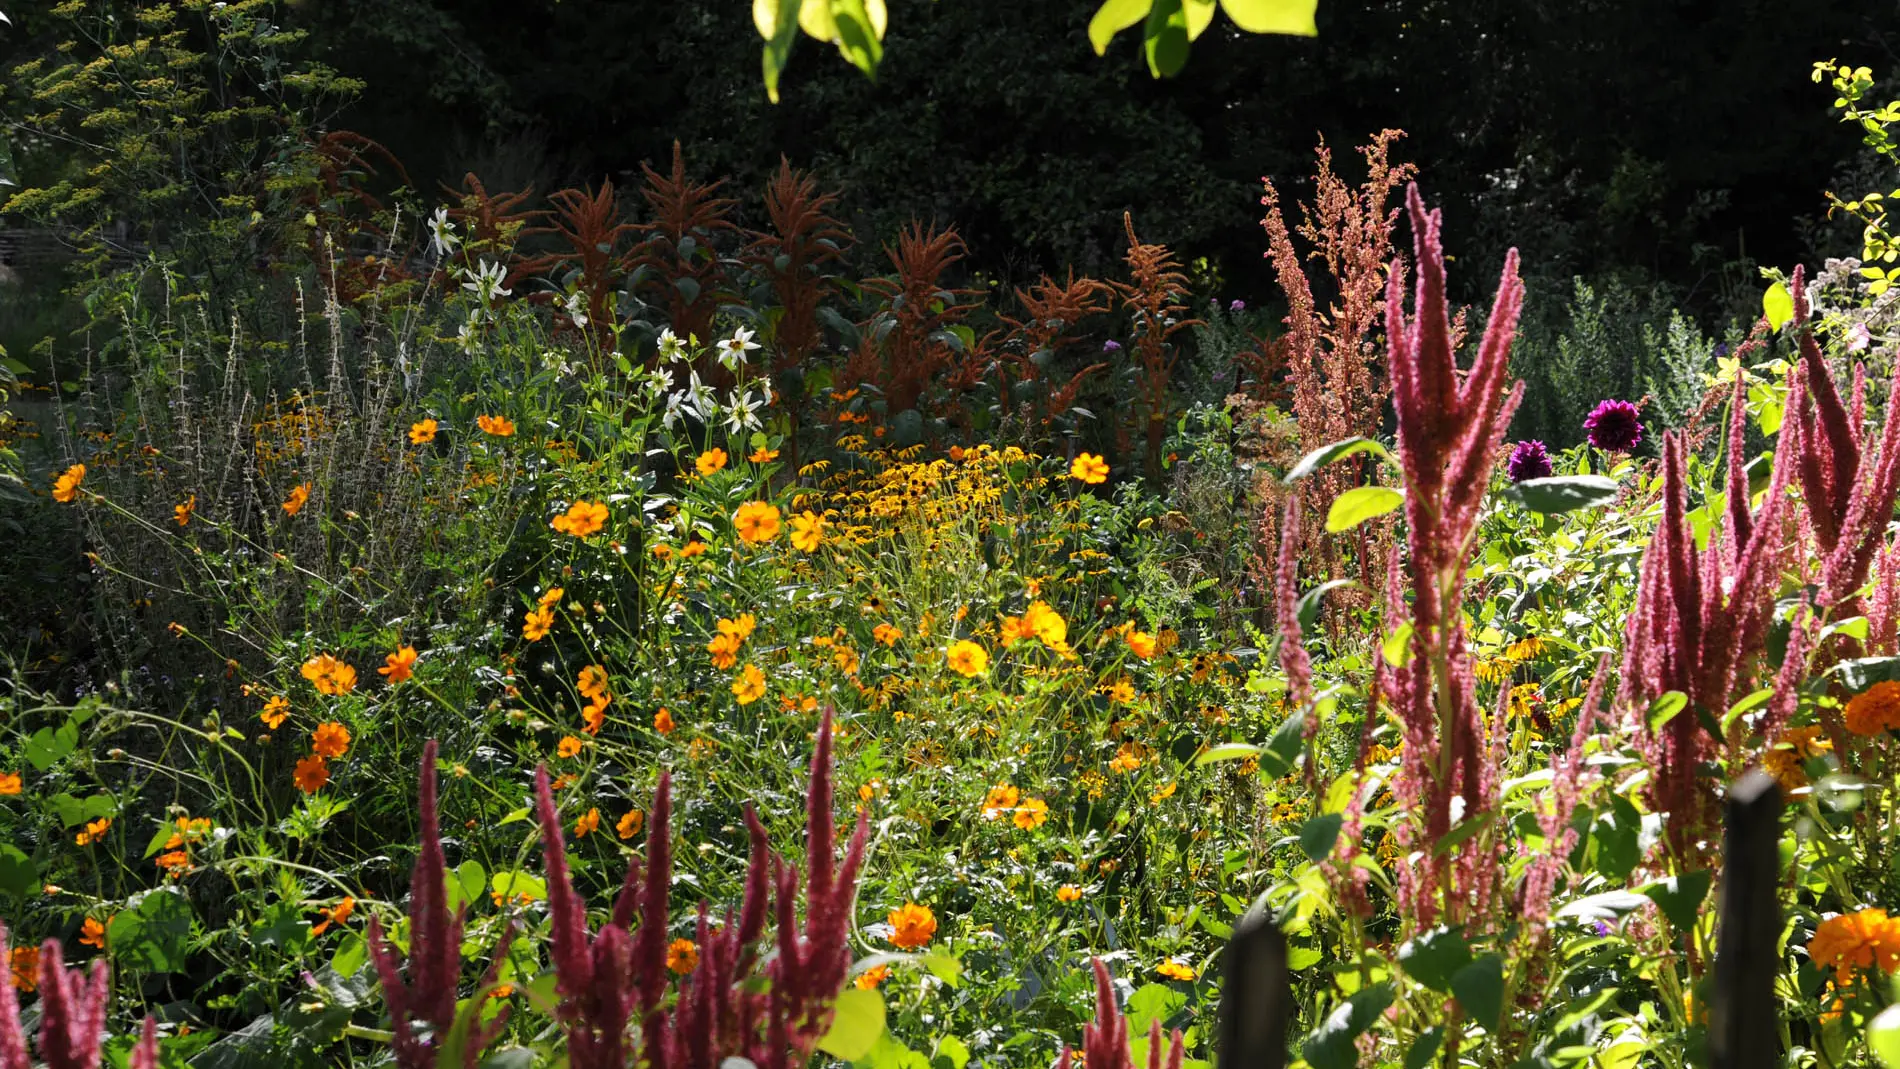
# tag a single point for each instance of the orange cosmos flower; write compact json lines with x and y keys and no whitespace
{"x":763,"y":455}
{"x":93,"y":933}
{"x":886,"y":635}
{"x":750,"y":686}
{"x":710,"y":461}
{"x":536,"y":624}
{"x":691,"y":550}
{"x":1068,"y":892}
{"x":1046,"y":624}
{"x":66,"y":488}
{"x":422,"y":432}
{"x":276,"y":711}
{"x":1031,"y":814}
{"x":582,"y":520}
{"x":630,"y":824}
{"x":311,"y":774}
{"x":25,"y":965}
{"x":592,"y":682}
{"x":663,"y":721}
{"x":808,"y":531}
{"x":967,"y":658}
{"x":93,"y":832}
{"x":399,"y":665}
{"x":1141,"y":642}
{"x":499,"y":426}
{"x":1001,"y":799}
{"x":10,"y":783}
{"x":871,"y":977}
{"x":551,"y":597}
{"x":329,"y":675}
{"x":724,"y":648}
{"x":331,"y":739}
{"x":299,"y":497}
{"x":756,"y":522}
{"x":1012,"y":629}
{"x":337,"y":915}
{"x":912,"y":926}
{"x":594,"y":714}
{"x":181,"y":514}
{"x":682,"y":957}
{"x":1089,"y":468}
{"x":1174,"y":970}
{"x":570,"y":746}
{"x":588,"y":823}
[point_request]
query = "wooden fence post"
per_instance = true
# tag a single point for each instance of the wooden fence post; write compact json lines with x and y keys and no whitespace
{"x":1256,"y":997}
{"x":1742,"y":1014}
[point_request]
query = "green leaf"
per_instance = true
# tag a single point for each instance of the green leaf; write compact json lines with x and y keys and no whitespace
{"x":856,"y":1027}
{"x":1679,"y":897}
{"x":1319,"y":835}
{"x":943,"y":966}
{"x":1665,"y":708}
{"x":1777,"y":304}
{"x":1165,"y":38}
{"x":153,"y":936}
{"x":1480,"y":990}
{"x":510,"y":884}
{"x":1741,"y":707}
{"x":1326,"y":454}
{"x":1152,"y":1002}
{"x":1310,"y":601}
{"x":1425,"y":1047}
{"x":1113,"y":17}
{"x":1398,"y":645}
{"x":46,"y":745}
{"x":1563,"y":493}
{"x":351,"y":955}
{"x":777,"y":21}
{"x":1333,"y":1044}
{"x":1200,"y":15}
{"x":1284,"y":747}
{"x":1883,"y":1036}
{"x":1433,"y":957}
{"x":18,"y":876}
{"x":858,"y":37}
{"x":951,"y":1054}
{"x":1360,"y":504}
{"x":1274,"y":16}
{"x":1231,"y":751}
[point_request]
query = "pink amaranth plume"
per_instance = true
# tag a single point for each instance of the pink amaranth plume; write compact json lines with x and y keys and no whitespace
{"x":1105,"y":1043}
{"x":724,"y":1010}
{"x":1700,"y":622}
{"x":1450,"y":431}
{"x":1565,"y":786}
{"x":1848,"y":494}
{"x":145,"y":1052}
{"x":427,"y":996}
{"x":72,"y":1010}
{"x":1293,"y":658}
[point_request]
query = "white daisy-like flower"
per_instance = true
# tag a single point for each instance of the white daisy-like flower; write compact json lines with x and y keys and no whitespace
{"x":576,"y":308}
{"x":442,"y":238}
{"x":732,"y":350}
{"x":487,"y":282}
{"x":672,"y":349}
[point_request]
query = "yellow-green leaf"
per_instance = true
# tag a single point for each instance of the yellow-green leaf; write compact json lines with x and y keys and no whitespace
{"x":1778,"y":305}
{"x":1273,"y":16}
{"x":1360,"y":504}
{"x":1200,"y":15}
{"x":1113,"y":17}
{"x":856,"y":1027}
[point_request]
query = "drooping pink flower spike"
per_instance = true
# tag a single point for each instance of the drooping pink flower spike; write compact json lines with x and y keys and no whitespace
{"x":1105,"y":1042}
{"x":421,"y":993}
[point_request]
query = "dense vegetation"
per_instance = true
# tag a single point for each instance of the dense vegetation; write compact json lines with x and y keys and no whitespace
{"x":684,"y":622}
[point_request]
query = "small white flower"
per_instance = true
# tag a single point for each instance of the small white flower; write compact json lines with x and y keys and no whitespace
{"x":442,"y":239}
{"x":672,"y":349}
{"x":1858,"y":337}
{"x":576,"y":308}
{"x":701,"y":399}
{"x":741,"y":413}
{"x":671,"y":415}
{"x":732,"y":350}
{"x":487,"y":282}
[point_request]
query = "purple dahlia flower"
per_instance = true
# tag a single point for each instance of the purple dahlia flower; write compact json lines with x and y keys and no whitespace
{"x":1614,"y":425}
{"x":1237,"y":305}
{"x":1529,"y":460}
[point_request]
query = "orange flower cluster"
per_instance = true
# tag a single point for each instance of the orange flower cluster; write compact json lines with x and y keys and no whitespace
{"x":756,"y":522}
{"x":583,"y":519}
{"x":66,"y":488}
{"x":592,"y":683}
{"x":329,"y":675}
{"x":400,"y":665}
{"x":1867,"y":939}
{"x":912,"y":926}
{"x":1876,"y":710}
{"x":724,"y":646}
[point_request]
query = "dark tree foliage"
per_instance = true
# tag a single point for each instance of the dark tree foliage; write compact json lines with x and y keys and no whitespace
{"x":1670,"y":137}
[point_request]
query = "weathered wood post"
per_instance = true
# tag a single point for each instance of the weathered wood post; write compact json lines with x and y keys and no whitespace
{"x":1255,"y":998}
{"x":1743,"y":1031}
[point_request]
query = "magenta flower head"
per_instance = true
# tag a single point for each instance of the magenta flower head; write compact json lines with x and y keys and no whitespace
{"x":1529,"y":460}
{"x":1614,"y":425}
